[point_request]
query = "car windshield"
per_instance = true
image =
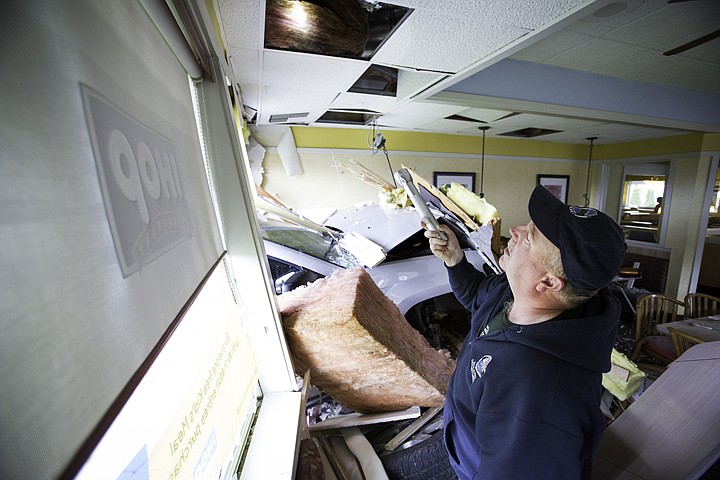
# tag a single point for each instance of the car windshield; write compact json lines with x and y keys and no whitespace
{"x":310,"y":242}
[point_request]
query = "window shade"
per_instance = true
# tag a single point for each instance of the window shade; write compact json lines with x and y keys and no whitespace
{"x":106,"y":227}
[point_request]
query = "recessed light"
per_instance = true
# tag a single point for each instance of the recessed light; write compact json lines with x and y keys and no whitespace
{"x":612,"y":10}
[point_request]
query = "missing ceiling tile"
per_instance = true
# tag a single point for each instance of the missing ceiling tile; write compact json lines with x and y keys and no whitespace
{"x":464,"y":119}
{"x":348,"y":118}
{"x":529,"y":132}
{"x":338,"y":28}
{"x":377,"y":80}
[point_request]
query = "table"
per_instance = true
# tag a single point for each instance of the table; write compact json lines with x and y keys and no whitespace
{"x":673,"y":429}
{"x":706,"y":329}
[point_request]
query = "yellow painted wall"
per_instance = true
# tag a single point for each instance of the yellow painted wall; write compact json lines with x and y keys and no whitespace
{"x":507,"y":185}
{"x":355,"y":138}
{"x":511,"y":167}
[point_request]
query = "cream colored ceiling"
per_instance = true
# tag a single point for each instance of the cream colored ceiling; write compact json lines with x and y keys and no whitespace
{"x":557,"y":63}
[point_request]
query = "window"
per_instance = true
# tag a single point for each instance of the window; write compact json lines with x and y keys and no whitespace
{"x":643,"y":200}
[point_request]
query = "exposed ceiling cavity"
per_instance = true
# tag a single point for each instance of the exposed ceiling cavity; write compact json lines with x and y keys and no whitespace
{"x":338,"y":28}
{"x":618,"y":70}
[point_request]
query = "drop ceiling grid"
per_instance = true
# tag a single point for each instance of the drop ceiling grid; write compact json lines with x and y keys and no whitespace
{"x":549,"y":47}
{"x":673,"y":70}
{"x":431,"y":41}
{"x":663,"y":27}
{"x":707,"y":52}
{"x":645,"y":64}
{"x":598,"y":27}
{"x":666,"y":29}
{"x":653,"y":67}
{"x":594,"y":55}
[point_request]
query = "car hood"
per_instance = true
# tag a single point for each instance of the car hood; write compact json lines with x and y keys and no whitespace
{"x":387,"y":227}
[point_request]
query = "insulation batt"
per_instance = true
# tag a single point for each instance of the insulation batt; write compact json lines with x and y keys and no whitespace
{"x":358,"y":346}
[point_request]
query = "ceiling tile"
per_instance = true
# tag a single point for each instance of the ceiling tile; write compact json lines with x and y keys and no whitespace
{"x":245,"y":63}
{"x":407,"y":122}
{"x":597,"y":27}
{"x":665,"y":25}
{"x":486,"y":115}
{"x":428,"y":110}
{"x":411,"y":82}
{"x":443,"y":36}
{"x":242,"y":22}
{"x":375,"y":103}
{"x":593,"y":55}
{"x":448,"y":126}
{"x":526,"y":14}
{"x":710,"y":83}
{"x":314,"y":72}
{"x":549,"y":47}
{"x":440,"y":43}
{"x":278,"y":100}
{"x":571,"y":124}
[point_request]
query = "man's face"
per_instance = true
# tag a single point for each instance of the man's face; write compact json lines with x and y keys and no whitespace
{"x":522,"y":260}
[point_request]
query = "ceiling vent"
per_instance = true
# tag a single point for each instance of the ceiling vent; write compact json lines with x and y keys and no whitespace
{"x":289,"y":117}
{"x":529,"y":132}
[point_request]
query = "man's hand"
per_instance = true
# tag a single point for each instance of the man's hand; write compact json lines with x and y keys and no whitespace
{"x":449,"y":250}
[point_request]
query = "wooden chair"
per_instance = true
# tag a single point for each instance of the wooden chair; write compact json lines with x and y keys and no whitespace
{"x":701,"y":305}
{"x":653,"y":310}
{"x":682,"y":341}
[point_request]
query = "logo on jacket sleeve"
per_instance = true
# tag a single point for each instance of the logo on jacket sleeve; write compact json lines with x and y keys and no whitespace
{"x":478,"y":369}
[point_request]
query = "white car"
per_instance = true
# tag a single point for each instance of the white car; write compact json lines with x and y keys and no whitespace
{"x":410,"y":275}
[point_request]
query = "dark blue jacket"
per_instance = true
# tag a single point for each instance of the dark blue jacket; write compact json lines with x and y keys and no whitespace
{"x":524,"y":401}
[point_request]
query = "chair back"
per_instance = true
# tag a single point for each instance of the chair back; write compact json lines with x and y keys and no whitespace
{"x":701,"y":305}
{"x":682,"y":340}
{"x":652,"y":310}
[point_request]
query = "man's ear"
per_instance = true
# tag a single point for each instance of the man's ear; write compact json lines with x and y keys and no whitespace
{"x":550,"y":283}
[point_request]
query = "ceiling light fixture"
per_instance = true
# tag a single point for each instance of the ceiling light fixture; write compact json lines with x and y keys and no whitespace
{"x":378,"y":143}
{"x":484,"y":129}
{"x":587,"y":182}
{"x":613,"y":10}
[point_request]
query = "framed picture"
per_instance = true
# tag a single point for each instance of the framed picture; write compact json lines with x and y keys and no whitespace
{"x":556,"y":184}
{"x":445,"y":178}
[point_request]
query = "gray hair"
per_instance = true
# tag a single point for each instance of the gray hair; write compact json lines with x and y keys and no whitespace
{"x":553,"y":263}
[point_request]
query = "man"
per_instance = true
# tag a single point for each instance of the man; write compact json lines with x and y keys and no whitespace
{"x":524,"y":401}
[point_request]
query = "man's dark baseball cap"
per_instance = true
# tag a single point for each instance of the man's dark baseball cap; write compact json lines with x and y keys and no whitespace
{"x":592,"y":246}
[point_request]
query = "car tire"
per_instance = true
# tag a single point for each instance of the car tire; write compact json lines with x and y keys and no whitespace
{"x":427,"y":460}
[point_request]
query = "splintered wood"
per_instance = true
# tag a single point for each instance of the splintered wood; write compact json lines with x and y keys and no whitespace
{"x":358,"y":346}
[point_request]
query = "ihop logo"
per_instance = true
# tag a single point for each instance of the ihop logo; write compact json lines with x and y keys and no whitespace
{"x":141,"y":184}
